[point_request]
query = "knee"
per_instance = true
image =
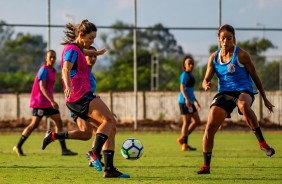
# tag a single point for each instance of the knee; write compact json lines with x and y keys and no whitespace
{"x":86,"y":135}
{"x":33,"y":126}
{"x":243,"y":107}
{"x":111,"y":122}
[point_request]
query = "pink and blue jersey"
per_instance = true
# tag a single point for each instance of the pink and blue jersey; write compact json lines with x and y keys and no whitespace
{"x":232,"y":76}
{"x":79,"y":74}
{"x":48,"y":75}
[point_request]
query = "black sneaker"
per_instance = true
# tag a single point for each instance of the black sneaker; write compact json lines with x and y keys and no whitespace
{"x":189,"y":148}
{"x":47,"y":139}
{"x":268,"y":150}
{"x":114,"y":173}
{"x":68,"y":152}
{"x":18,"y":151}
{"x":204,"y":170}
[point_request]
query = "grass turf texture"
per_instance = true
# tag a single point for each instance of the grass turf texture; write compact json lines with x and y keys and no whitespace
{"x":236,"y":159}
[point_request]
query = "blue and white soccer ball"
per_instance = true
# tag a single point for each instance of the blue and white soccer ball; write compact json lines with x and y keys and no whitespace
{"x":132,"y":149}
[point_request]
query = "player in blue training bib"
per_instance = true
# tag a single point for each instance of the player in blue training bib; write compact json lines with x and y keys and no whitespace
{"x":236,"y":73}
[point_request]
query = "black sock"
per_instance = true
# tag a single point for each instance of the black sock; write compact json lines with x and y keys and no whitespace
{"x":21,"y":141}
{"x":258,"y":133}
{"x":109,"y":158}
{"x":99,"y":142}
{"x":63,"y":144}
{"x":185,"y":139}
{"x":61,"y":135}
{"x":207,"y":158}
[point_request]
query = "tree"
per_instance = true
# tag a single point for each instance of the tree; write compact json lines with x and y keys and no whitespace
{"x":156,"y":40}
{"x":25,"y":53}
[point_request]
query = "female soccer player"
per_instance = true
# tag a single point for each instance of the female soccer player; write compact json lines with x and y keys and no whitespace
{"x":43,"y":103}
{"x":236,"y":73}
{"x":187,"y":103}
{"x":81,"y":101}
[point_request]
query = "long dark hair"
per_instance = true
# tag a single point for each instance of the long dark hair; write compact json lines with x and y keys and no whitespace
{"x":72,"y":30}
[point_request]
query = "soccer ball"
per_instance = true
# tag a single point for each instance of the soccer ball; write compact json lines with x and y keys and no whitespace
{"x":132,"y":149}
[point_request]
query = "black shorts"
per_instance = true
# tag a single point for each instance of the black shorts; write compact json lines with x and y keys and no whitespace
{"x":40,"y":112}
{"x":185,"y":110}
{"x":80,"y":107}
{"x":228,"y":100}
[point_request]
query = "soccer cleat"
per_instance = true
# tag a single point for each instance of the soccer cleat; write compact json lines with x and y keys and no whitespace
{"x":186,"y":147}
{"x":18,"y":151}
{"x":189,"y":148}
{"x":100,"y":159}
{"x":267,"y":149}
{"x":94,"y":160}
{"x":68,"y":152}
{"x":49,"y":137}
{"x":114,"y":173}
{"x":204,"y":170}
{"x":180,"y":140}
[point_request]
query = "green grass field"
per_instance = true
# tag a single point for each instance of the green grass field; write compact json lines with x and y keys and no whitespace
{"x":236,"y":159}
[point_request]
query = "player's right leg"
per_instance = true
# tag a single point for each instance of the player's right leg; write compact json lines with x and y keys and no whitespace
{"x":215,"y":119}
{"x":25,"y":134}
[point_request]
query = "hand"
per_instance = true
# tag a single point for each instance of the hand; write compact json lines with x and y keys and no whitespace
{"x":268,"y":105}
{"x":206,"y":85}
{"x":188,"y":103}
{"x":198,"y":107}
{"x":67,"y":92}
{"x":101,"y":51}
{"x":55,"y":105}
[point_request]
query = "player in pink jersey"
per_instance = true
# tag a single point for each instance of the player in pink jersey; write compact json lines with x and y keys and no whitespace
{"x":43,"y":103}
{"x":81,"y":101}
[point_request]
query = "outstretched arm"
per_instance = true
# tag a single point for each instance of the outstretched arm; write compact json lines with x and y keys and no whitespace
{"x":92,"y":52}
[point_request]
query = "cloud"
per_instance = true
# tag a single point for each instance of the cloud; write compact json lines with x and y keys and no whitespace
{"x":124,"y":5}
{"x":263,"y":4}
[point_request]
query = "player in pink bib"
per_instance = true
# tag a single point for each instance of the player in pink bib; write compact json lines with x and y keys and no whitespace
{"x":81,"y":101}
{"x":43,"y":103}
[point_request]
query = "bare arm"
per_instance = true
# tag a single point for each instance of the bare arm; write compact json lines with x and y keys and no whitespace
{"x":187,"y":101}
{"x":66,"y":78}
{"x":206,"y":84}
{"x":245,"y":59}
{"x":43,"y":89}
{"x":92,"y":52}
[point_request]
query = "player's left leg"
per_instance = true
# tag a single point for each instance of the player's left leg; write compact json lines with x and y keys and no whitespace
{"x":195,"y":121}
{"x":244,"y":104}
{"x":183,"y":140}
{"x":56,"y":119}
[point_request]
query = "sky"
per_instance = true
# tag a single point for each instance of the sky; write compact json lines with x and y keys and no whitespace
{"x":176,"y":13}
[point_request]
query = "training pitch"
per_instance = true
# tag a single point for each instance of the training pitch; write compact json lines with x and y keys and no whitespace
{"x":236,"y":159}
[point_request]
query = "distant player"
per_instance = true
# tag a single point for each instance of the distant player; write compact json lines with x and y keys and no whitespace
{"x":236,"y":74}
{"x":43,"y":103}
{"x":188,"y":104}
